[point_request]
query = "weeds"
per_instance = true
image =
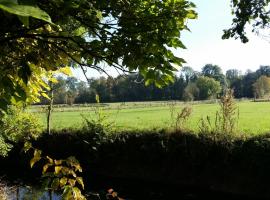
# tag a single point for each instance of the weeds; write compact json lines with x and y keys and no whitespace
{"x":226,"y":119}
{"x":179,"y":119}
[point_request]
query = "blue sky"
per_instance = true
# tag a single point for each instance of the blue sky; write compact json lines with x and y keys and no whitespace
{"x":204,"y":43}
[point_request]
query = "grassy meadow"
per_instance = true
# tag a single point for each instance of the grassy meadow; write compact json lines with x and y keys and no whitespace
{"x":254,"y":117}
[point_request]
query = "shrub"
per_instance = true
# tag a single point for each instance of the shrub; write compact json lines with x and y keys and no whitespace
{"x":17,"y":125}
{"x":97,"y":127}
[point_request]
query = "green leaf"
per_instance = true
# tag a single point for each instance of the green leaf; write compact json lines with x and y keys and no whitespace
{"x":24,"y":20}
{"x":24,"y":10}
{"x":27,"y":146}
{"x":55,"y":184}
{"x":191,"y":14}
{"x":20,"y":93}
{"x":7,"y":82}
{"x":3,"y":104}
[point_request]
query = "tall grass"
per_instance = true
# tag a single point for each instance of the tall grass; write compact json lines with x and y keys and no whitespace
{"x":226,"y":119}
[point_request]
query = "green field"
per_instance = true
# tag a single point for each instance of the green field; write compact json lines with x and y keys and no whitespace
{"x":254,"y":117}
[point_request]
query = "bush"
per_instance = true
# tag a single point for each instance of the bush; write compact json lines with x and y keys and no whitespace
{"x":17,"y":125}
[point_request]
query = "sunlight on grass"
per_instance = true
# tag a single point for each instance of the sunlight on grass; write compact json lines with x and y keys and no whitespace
{"x":254,"y":117}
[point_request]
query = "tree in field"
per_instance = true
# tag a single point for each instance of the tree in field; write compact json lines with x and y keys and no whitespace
{"x":213,"y":71}
{"x":234,"y":79}
{"x":248,"y":80}
{"x":232,"y":75}
{"x":60,"y":91}
{"x":131,"y":35}
{"x":71,"y":85}
{"x":208,"y":87}
{"x":188,"y":74}
{"x":261,"y":87}
{"x":191,"y":92}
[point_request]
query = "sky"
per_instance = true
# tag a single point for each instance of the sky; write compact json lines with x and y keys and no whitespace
{"x":204,"y":43}
{"x":205,"y":46}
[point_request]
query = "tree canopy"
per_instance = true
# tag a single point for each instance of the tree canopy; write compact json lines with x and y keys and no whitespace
{"x":129,"y":35}
{"x":261,"y":87}
{"x":208,"y":87}
{"x":252,"y":12}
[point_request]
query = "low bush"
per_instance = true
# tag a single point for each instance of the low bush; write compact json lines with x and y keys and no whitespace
{"x":15,"y":126}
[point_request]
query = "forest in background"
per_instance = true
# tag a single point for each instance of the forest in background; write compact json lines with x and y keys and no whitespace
{"x":189,"y":85}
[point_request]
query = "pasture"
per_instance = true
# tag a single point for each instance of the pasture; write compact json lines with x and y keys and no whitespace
{"x":254,"y":117}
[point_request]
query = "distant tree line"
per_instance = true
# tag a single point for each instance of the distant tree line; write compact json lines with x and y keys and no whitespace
{"x":189,"y":85}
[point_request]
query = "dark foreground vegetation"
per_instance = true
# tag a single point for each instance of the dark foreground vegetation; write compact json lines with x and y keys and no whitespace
{"x":151,"y":162}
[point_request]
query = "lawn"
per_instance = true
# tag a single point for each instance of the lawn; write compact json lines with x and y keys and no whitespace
{"x":254,"y":117}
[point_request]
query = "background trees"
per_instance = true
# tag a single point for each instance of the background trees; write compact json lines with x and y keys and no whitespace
{"x":38,"y":36}
{"x":208,"y":87}
{"x":187,"y":86}
{"x":261,"y":87}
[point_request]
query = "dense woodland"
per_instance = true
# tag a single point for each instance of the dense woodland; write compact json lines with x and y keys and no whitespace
{"x":189,"y":85}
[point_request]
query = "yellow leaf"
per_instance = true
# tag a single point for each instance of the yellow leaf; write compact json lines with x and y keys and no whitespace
{"x":66,"y":70}
{"x":36,"y":158}
{"x":57,"y":169}
{"x":45,"y":95}
{"x":45,"y":168}
{"x":80,"y":181}
{"x":77,"y":193}
{"x":37,"y":153}
{"x":49,"y":159}
{"x":71,"y":182}
{"x":67,"y":193}
{"x":53,"y":80}
{"x":63,"y":181}
{"x":58,"y":162}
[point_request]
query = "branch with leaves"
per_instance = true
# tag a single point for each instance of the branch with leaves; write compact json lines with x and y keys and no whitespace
{"x":127,"y":35}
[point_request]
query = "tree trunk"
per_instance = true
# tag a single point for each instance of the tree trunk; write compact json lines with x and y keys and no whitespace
{"x":50,"y":106}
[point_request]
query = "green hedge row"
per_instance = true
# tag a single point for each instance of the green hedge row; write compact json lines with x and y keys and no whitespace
{"x":238,"y":166}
